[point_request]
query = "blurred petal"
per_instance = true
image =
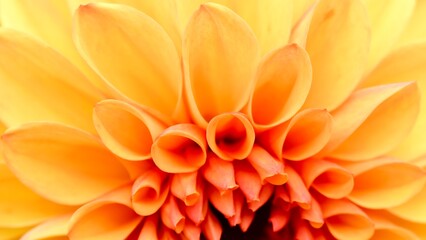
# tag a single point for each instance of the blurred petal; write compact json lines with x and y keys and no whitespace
{"x":145,"y":66}
{"x":110,"y":217}
{"x":388,"y":21}
{"x":50,"y":88}
{"x":386,"y":229}
{"x":220,"y":55}
{"x":282,"y":83}
{"x":415,"y":30}
{"x":49,"y":21}
{"x":230,"y":135}
{"x":12,"y":233}
{"x":21,"y":207}
{"x":338,"y":43}
{"x":55,"y":228}
{"x":86,"y":169}
{"x":180,"y":148}
{"x":377,"y":187}
{"x":406,"y":64}
{"x":299,"y":9}
{"x":132,"y":138}
{"x":362,"y":126}
{"x":345,"y":220}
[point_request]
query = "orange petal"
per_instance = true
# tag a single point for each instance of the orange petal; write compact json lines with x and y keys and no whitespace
{"x":109,"y":217}
{"x":224,"y":202}
{"x":376,"y":186}
{"x":149,"y":192}
{"x":61,"y":152}
{"x":264,"y":195}
{"x":239,"y":202}
{"x":55,"y":89}
{"x":392,"y":70}
{"x":219,"y":173}
{"x":149,"y":228}
{"x":23,"y":207}
{"x":12,"y":233}
{"x":302,"y":137}
{"x":180,"y":148}
{"x":211,"y":227}
{"x":184,"y":186}
{"x":415,"y":30}
{"x":126,"y":130}
{"x":247,"y":217}
{"x":197,"y":212}
{"x":386,"y":229}
{"x":54,"y":228}
{"x":268,"y":167}
{"x":191,"y":231}
{"x":172,"y":216}
{"x":388,"y":21}
{"x":283,"y":81}
{"x":338,"y":44}
{"x":279,"y":216}
{"x":220,"y":55}
{"x":313,"y":215}
{"x":362,"y":122}
{"x":345,"y":220}
{"x":230,"y":135}
{"x":329,"y":179}
{"x":297,"y":190}
{"x":414,"y":209}
{"x":248,"y":180}
{"x":145,"y":66}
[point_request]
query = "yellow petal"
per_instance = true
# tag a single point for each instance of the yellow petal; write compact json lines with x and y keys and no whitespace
{"x":86,"y":169}
{"x":362,"y":129}
{"x":220,"y":55}
{"x":376,"y":186}
{"x":110,"y":217}
{"x":300,"y":30}
{"x":283,"y":81}
{"x":415,"y":30}
{"x":230,"y":135}
{"x":21,"y":207}
{"x":49,"y":21}
{"x":406,"y":64}
{"x":55,"y":228}
{"x":145,"y":66}
{"x":338,"y":43}
{"x":300,"y":7}
{"x":388,"y":21}
{"x":128,"y":131}
{"x":12,"y":233}
{"x":50,"y":88}
{"x":180,"y":148}
{"x":386,"y":229}
{"x":345,"y":220}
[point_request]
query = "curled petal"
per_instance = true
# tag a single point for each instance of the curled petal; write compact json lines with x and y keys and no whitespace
{"x":149,"y":192}
{"x":248,"y":180}
{"x":197,"y":212}
{"x":109,"y":217}
{"x":269,"y":168}
{"x":368,"y":111}
{"x":65,"y":153}
{"x":283,"y":81}
{"x":247,"y":217}
{"x":302,"y":137}
{"x":345,"y":220}
{"x":219,"y":173}
{"x":279,"y":216}
{"x":149,"y":228}
{"x":126,"y":130}
{"x":230,"y":135}
{"x":337,"y":68}
{"x":145,"y":66}
{"x":191,"y":231}
{"x":56,"y":227}
{"x":300,"y":30}
{"x":180,"y":148}
{"x":211,"y":227}
{"x":184,"y":186}
{"x":329,"y":179}
{"x":224,"y":202}
{"x":376,"y":185}
{"x":297,"y":190}
{"x":264,"y":195}
{"x":238,"y":203}
{"x":220,"y":54}
{"x":313,"y":214}
{"x":171,"y":215}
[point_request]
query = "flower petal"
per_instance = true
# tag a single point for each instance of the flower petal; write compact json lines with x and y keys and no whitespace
{"x":415,"y":30}
{"x":145,"y":66}
{"x":388,"y":21}
{"x":12,"y":233}
{"x":186,"y":187}
{"x":268,"y":167}
{"x":230,"y":135}
{"x":171,"y":215}
{"x":224,"y":202}
{"x":128,"y":131}
{"x":376,"y":186}
{"x":392,"y":69}
{"x":23,"y":207}
{"x":54,"y":228}
{"x":297,"y":189}
{"x":68,"y":154}
{"x":386,"y":229}
{"x":362,"y":126}
{"x":54,"y":88}
{"x":211,"y":227}
{"x":109,"y":217}
{"x":282,"y":83}
{"x":338,"y":43}
{"x":219,"y":173}
{"x":180,"y":148}
{"x":248,"y":180}
{"x":220,"y":55}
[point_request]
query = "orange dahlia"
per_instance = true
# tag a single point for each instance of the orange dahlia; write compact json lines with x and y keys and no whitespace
{"x":235,"y":119}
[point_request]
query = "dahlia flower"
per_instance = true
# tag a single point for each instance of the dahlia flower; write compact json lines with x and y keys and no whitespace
{"x":229,"y":119}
